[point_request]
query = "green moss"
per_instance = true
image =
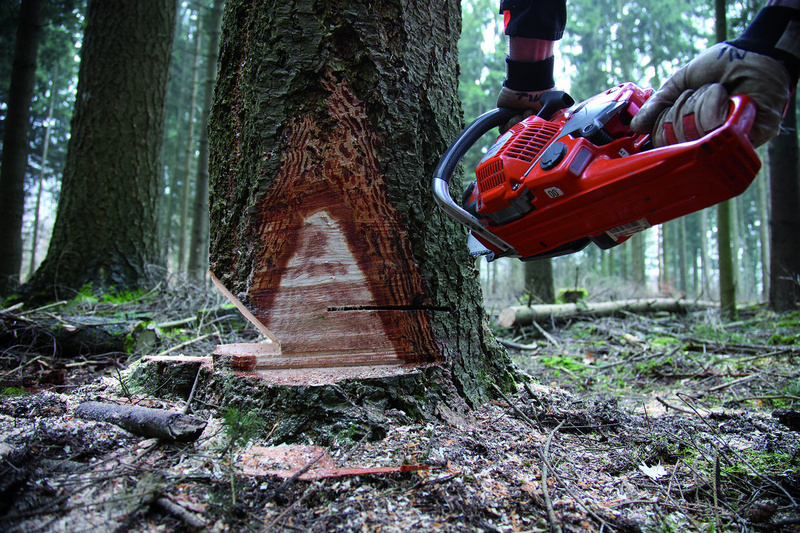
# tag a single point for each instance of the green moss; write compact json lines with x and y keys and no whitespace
{"x":778,"y":339}
{"x":790,"y":320}
{"x":12,"y":391}
{"x":663,"y":341}
{"x":563,"y":362}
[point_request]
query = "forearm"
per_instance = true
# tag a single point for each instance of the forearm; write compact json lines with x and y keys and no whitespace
{"x":775,"y":32}
{"x":529,"y":50}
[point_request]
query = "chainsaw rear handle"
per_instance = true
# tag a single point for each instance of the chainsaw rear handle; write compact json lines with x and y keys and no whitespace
{"x":449,"y":162}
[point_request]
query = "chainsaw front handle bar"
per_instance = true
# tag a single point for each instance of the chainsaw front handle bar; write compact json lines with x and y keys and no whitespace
{"x":551,"y":101}
{"x":449,"y":162}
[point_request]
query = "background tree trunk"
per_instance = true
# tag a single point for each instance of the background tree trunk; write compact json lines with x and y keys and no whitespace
{"x":190,"y":148}
{"x":327,"y":124}
{"x":539,"y":281}
{"x":727,"y":279}
{"x":784,"y":288}
{"x":14,"y":162}
{"x":105,"y":230}
{"x":41,"y":179}
{"x":198,"y":242}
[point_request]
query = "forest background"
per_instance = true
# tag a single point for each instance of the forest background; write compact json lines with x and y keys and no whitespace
{"x":607,"y":42}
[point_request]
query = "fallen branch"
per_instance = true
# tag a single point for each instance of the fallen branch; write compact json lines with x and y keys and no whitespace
{"x":674,"y":407}
{"x":554,"y":526}
{"x":517,"y":346}
{"x":144,"y":421}
{"x":514,"y":406}
{"x":190,"y":518}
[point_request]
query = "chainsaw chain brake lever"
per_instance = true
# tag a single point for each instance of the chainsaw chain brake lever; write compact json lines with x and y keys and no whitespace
{"x":449,"y":161}
{"x":552,"y":101}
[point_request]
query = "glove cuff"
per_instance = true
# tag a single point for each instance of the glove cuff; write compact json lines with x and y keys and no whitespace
{"x":536,"y":76}
{"x":775,"y":32}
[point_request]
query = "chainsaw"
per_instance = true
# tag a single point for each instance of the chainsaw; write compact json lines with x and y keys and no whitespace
{"x":577,"y":174}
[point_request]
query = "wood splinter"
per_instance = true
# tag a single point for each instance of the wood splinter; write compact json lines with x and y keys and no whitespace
{"x":145,"y":421}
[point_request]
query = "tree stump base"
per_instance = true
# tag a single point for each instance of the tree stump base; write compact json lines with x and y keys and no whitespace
{"x":325,"y":405}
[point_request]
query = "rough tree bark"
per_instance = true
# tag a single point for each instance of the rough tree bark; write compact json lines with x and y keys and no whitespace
{"x":328,"y":121}
{"x":784,"y":282}
{"x":14,"y":163}
{"x":105,"y":229}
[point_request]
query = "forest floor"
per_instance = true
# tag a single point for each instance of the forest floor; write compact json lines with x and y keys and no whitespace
{"x":633,"y":423}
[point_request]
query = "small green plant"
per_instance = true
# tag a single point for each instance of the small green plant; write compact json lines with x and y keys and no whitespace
{"x":654,"y":366}
{"x":790,"y":320}
{"x":793,"y":388}
{"x":85,"y":295}
{"x":760,"y":463}
{"x":571,"y":295}
{"x":240,"y":428}
{"x":12,"y":391}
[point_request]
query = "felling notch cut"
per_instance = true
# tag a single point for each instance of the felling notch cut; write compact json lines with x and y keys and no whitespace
{"x":333,"y":282}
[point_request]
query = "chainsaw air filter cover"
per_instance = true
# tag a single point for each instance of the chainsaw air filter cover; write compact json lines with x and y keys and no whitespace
{"x":551,"y":186}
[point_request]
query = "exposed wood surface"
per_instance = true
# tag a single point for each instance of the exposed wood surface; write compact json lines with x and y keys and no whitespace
{"x":245,"y":311}
{"x":335,"y":281}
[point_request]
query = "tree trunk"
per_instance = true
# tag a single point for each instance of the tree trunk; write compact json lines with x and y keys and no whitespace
{"x":175,"y":107}
{"x":784,"y":283}
{"x":190,"y":149}
{"x":14,"y":163}
{"x":328,"y":122}
{"x":763,"y":216}
{"x":198,"y":243}
{"x":539,"y":281}
{"x":727,"y":281}
{"x":105,"y":230}
{"x":637,"y":259}
{"x":704,"y":257}
{"x":683,"y":268}
{"x":40,"y":182}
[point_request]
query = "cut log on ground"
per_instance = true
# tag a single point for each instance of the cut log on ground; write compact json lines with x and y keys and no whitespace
{"x":144,"y":421}
{"x":522,"y":315}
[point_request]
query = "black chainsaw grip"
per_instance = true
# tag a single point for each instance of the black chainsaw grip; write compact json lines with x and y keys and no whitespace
{"x":450,"y":159}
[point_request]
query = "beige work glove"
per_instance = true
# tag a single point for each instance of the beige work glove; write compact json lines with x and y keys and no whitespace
{"x":690,"y":103}
{"x":525,"y":84}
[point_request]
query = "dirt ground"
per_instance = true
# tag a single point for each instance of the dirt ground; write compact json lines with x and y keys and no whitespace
{"x":633,"y":423}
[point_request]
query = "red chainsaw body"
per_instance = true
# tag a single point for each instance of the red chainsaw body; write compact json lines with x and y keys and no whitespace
{"x":550,"y":187}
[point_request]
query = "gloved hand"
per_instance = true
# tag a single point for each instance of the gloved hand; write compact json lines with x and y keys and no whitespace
{"x":675,"y":106}
{"x":691,"y":116}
